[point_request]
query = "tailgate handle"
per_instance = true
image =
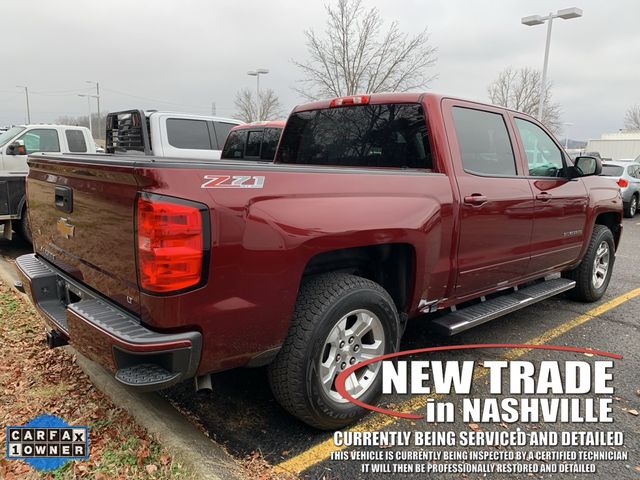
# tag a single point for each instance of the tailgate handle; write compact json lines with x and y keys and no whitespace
{"x":64,"y":199}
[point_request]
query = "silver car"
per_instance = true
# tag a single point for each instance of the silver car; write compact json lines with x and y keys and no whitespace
{"x":627,"y":176}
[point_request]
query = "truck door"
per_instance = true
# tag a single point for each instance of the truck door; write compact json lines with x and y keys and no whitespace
{"x":16,"y":168}
{"x":496,"y":200}
{"x":560,"y":210}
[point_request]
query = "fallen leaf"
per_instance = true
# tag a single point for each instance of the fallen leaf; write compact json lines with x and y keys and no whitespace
{"x":588,"y":354}
{"x":633,"y":412}
{"x":151,"y":469}
{"x":637,"y":469}
{"x":165,"y":459}
{"x":474,"y":426}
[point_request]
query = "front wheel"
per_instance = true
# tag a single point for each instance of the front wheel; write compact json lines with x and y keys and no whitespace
{"x":593,"y":274}
{"x":339,"y":320}
{"x":632,"y":207}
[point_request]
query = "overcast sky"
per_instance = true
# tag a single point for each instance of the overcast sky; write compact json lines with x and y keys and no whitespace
{"x":184,"y":55}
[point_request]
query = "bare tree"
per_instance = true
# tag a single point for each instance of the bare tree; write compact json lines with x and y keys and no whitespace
{"x":632,"y":118}
{"x":520,"y":90}
{"x":99,"y":123}
{"x":248,"y":110}
{"x":354,"y":55}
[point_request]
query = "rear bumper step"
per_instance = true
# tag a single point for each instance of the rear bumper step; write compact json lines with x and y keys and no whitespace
{"x":140,"y":358}
{"x":463,"y":319}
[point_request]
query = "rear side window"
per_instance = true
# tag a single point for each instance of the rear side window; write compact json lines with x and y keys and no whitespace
{"x":393,"y":135}
{"x":612,"y":170}
{"x":254,"y":139}
{"x":484,"y":142}
{"x":222,"y":130}
{"x":234,"y":146}
{"x":41,"y":140}
{"x":75,"y":140}
{"x":191,"y":134}
{"x":270,"y":139}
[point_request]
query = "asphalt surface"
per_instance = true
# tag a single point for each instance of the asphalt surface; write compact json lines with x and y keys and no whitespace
{"x":242,"y":415}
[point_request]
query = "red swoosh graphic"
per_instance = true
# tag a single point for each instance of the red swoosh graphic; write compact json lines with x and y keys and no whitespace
{"x":342,"y":377}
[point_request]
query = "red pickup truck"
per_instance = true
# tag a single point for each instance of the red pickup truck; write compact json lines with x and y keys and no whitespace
{"x":377,"y":209}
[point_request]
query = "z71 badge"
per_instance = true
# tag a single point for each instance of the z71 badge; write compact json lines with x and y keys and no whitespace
{"x":232,"y":181}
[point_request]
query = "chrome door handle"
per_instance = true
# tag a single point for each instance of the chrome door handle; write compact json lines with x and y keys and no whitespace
{"x":475,"y":199}
{"x":543,"y":197}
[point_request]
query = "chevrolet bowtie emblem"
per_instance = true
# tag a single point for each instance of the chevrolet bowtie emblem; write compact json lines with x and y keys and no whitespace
{"x":65,"y":228}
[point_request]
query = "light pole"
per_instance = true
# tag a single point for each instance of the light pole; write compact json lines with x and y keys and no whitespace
{"x":97,"y":84}
{"x":256,"y":73}
{"x":566,"y":134}
{"x":89,"y":97}
{"x":532,"y":20}
{"x":26,"y":94}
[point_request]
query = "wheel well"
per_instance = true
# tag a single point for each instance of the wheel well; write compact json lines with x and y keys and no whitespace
{"x":611,"y":220}
{"x":390,"y":265}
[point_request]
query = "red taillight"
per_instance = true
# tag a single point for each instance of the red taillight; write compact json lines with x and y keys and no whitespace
{"x":356,"y":100}
{"x":622,"y":183}
{"x":170,"y":244}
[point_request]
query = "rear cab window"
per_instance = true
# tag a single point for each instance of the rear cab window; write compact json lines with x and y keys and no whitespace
{"x":385,"y":135}
{"x":188,"y":134}
{"x":270,"y":139}
{"x":257,"y":144}
{"x":483,"y":139}
{"x":234,"y":146}
{"x":254,"y":140}
{"x":76,"y":141}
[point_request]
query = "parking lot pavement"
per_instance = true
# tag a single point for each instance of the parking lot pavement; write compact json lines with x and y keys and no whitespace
{"x":241,"y":413}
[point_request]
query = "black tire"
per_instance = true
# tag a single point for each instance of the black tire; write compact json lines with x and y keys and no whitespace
{"x":632,"y":207}
{"x":324,"y":300}
{"x":24,"y":227}
{"x":586,"y":289}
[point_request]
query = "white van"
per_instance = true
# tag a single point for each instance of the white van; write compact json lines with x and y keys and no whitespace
{"x":20,"y":141}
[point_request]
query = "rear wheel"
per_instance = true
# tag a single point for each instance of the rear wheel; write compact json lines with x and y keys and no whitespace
{"x":339,"y":320}
{"x":24,"y":228}
{"x":593,"y":274}
{"x":632,"y":207}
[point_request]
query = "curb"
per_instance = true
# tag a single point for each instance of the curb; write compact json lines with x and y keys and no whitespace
{"x":201,"y":456}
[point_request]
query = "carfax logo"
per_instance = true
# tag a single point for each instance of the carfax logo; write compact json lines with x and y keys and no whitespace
{"x":47,"y":442}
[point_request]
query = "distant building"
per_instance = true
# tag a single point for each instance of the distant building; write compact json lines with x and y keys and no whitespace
{"x":619,"y":145}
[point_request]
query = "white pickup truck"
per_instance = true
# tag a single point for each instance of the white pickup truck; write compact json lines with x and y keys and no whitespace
{"x":167,"y":134}
{"x":15,"y":144}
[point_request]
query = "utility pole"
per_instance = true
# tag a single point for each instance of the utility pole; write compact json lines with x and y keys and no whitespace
{"x":89,"y":97}
{"x":97,"y":96}
{"x":26,"y":94}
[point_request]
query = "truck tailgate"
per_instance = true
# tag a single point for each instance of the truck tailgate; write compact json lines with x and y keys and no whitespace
{"x":82,"y":220}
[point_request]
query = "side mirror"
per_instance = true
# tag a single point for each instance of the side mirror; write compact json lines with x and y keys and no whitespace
{"x":16,"y":148}
{"x":588,"y":166}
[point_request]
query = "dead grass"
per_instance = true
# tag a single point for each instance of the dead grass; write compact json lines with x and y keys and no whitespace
{"x":36,"y":380}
